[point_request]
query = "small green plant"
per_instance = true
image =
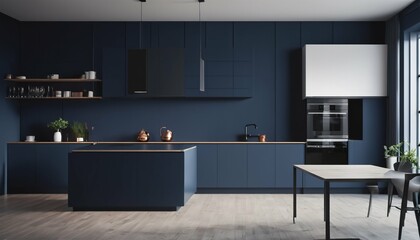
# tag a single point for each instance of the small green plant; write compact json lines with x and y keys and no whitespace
{"x":409,"y":156}
{"x":58,"y":124}
{"x":79,"y":129}
{"x":393,"y":150}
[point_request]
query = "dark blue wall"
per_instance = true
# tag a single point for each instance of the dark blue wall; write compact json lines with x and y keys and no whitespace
{"x":410,"y":17}
{"x":9,"y":111}
{"x":276,"y":107}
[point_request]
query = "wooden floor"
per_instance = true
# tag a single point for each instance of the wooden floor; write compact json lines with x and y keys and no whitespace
{"x":206,"y":216}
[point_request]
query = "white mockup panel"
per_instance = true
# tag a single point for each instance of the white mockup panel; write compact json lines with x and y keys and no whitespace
{"x":345,"y":70}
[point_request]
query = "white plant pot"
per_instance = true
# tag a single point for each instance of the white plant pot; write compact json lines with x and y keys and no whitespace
{"x":390,"y":161}
{"x":57,"y":136}
{"x":79,"y":139}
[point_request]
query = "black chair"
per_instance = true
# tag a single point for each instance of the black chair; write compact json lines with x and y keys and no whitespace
{"x":411,"y":191}
{"x":408,"y":188}
{"x":398,"y":177}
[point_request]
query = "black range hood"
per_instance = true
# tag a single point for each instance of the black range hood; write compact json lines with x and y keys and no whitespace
{"x":156,"y":72}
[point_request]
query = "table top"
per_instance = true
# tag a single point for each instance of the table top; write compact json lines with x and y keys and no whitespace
{"x":347,"y":172}
{"x":134,"y":148}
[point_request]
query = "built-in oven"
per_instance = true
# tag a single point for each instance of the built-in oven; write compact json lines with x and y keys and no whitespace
{"x":327,"y":131}
{"x":327,"y":119}
{"x":327,"y":152}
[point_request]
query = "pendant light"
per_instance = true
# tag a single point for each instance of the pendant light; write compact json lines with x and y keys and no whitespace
{"x":141,"y":22}
{"x":202,"y":82}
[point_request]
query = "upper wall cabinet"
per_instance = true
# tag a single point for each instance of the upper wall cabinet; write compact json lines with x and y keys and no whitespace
{"x":344,"y":70}
{"x":229,"y":69}
{"x":228,"y":72}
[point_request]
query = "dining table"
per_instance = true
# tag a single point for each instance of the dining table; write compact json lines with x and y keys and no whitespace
{"x":340,"y":173}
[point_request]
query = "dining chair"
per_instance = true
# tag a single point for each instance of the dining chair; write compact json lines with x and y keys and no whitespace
{"x":407,"y":185}
{"x":411,"y":191}
{"x":373,"y":188}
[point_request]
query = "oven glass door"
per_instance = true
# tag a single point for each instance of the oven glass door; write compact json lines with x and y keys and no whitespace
{"x":327,"y":126}
{"x":326,"y":153}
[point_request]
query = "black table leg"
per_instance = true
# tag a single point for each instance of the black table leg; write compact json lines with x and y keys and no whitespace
{"x":390,"y":193}
{"x":294,"y":194}
{"x":403,"y":207}
{"x":327,"y":209}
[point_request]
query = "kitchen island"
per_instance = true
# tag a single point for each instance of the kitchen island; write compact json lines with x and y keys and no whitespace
{"x":131,"y":176}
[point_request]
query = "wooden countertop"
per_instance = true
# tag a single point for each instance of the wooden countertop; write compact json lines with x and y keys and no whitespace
{"x":238,"y":142}
{"x":121,"y":148}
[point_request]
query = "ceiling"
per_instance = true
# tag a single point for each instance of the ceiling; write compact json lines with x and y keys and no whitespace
{"x":211,"y":10}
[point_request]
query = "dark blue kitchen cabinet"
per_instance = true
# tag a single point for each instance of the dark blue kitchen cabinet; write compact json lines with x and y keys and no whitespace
{"x":106,"y":35}
{"x":288,"y":155}
{"x":63,"y":48}
{"x":134,"y":39}
{"x":114,"y":72}
{"x":21,"y":168}
{"x":132,"y":35}
{"x":109,"y":57}
{"x":38,"y":168}
{"x":192,"y":56}
{"x":261,"y":165}
{"x":75,"y":48}
{"x":207,"y":166}
{"x":170,"y":34}
{"x":218,"y":71}
{"x":243,"y":71}
{"x":232,"y":166}
{"x":316,"y":33}
{"x":218,"y":34}
{"x":51,"y":165}
{"x":40,"y":53}
{"x":289,"y":82}
{"x":228,"y":71}
{"x":312,"y":182}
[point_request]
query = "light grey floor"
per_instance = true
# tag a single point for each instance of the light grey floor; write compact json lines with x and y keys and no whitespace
{"x":206,"y":216}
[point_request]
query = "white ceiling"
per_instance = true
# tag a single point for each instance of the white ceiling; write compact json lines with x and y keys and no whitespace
{"x":211,"y":10}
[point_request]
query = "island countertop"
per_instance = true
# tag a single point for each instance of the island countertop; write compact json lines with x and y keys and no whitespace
{"x":135,"y":148}
{"x":158,"y":143}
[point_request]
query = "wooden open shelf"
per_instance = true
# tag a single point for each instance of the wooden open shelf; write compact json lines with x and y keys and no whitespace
{"x":95,"y":84}
{"x":55,"y":98}
{"x":47,"y":80}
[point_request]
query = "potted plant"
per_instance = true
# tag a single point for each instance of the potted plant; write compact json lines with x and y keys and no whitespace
{"x":79,"y":131}
{"x":58,"y":125}
{"x":391,"y":154}
{"x":408,"y":161}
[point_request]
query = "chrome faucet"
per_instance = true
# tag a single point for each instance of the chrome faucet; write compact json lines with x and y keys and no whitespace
{"x":246,"y":131}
